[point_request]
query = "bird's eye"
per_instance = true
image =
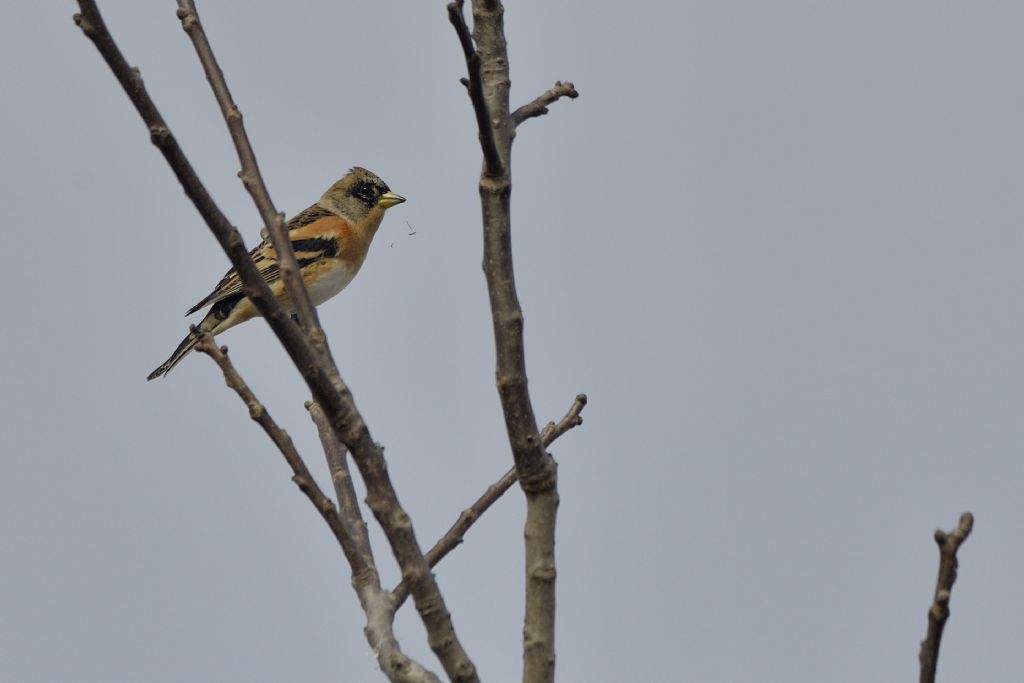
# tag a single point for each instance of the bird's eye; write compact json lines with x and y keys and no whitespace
{"x":365,"y":191}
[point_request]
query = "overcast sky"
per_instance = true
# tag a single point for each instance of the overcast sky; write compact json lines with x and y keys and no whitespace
{"x":779,"y":245}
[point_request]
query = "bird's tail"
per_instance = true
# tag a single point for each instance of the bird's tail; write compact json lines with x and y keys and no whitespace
{"x":184,"y":347}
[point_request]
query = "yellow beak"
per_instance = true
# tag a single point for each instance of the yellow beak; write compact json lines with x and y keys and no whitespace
{"x":389,"y":199}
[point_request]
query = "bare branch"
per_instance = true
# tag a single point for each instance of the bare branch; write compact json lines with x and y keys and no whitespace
{"x":378,"y":605}
{"x":535,"y":467}
{"x":250,"y":174}
{"x":492,"y":157}
{"x":348,"y":502}
{"x":251,"y":177}
{"x":539,"y":106}
{"x":457,"y":20}
{"x":536,"y":470}
{"x":573,"y":418}
{"x":938,"y":613}
{"x":300,"y":473}
{"x":253,"y":285}
{"x":316,"y":368}
{"x":455,"y":535}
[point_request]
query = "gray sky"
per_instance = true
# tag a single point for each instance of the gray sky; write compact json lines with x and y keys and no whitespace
{"x":778,"y":245}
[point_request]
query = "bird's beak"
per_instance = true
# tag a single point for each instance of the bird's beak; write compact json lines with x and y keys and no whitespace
{"x":389,"y":199}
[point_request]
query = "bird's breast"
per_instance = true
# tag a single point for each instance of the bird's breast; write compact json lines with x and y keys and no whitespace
{"x":330,"y":277}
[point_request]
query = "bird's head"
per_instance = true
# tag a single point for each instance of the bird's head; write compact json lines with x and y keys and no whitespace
{"x":359,"y":193}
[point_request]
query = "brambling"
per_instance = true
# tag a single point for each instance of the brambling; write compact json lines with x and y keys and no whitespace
{"x":330,"y":240}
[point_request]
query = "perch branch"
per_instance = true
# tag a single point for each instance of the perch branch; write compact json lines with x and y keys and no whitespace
{"x":455,"y":535}
{"x":250,"y":174}
{"x":938,"y":613}
{"x":539,"y":106}
{"x":92,"y":25}
{"x":316,"y":369}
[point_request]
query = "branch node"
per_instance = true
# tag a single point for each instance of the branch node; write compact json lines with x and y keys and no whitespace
{"x":159,"y":135}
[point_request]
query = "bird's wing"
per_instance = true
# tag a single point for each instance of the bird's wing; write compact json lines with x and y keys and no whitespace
{"x":232,"y":284}
{"x":307,"y":251}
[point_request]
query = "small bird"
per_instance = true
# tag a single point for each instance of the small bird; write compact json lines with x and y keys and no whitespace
{"x":330,"y":240}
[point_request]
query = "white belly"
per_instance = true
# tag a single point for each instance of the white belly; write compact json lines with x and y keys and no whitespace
{"x":332,"y":281}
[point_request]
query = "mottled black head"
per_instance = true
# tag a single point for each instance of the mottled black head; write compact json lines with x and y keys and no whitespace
{"x":368,"y":189}
{"x":358,"y":193}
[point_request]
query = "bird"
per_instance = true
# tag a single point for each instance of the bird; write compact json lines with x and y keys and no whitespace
{"x":330,"y":240}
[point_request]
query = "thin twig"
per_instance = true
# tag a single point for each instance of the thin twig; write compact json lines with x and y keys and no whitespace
{"x":938,"y":613}
{"x":316,"y":368}
{"x":456,"y":534}
{"x":250,"y":174}
{"x":336,"y":454}
{"x":572,"y":418}
{"x":492,"y":157}
{"x":380,"y":607}
{"x":457,"y":19}
{"x":300,"y":473}
{"x":539,"y":106}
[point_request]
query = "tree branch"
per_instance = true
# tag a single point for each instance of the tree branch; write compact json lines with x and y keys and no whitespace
{"x":378,"y":605}
{"x":572,"y":418}
{"x":536,"y":470}
{"x":251,"y":177}
{"x":539,"y":106}
{"x":91,"y":23}
{"x":492,"y":157}
{"x":455,"y":535}
{"x":300,"y":473}
{"x":317,"y":369}
{"x":348,"y":502}
{"x":938,"y":613}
